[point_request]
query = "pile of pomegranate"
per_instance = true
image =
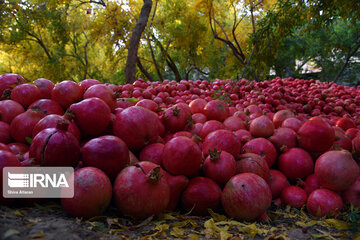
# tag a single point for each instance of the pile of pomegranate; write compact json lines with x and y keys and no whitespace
{"x":151,"y":147}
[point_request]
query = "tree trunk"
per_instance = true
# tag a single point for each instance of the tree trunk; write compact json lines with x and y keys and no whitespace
{"x":143,"y":70}
{"x":130,"y":68}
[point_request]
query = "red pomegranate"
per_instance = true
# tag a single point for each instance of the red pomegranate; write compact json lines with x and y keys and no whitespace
{"x":7,"y":82}
{"x":296,"y":163}
{"x":246,"y":196}
{"x":5,"y":135}
{"x":316,"y":135}
{"x":277,"y":182}
{"x":7,"y":159}
{"x":210,"y":126}
{"x":294,"y":196}
{"x":152,"y":153}
{"x":261,"y":127}
{"x":91,"y":115}
{"x":222,"y":140}
{"x":92,"y":193}
{"x":234,"y":123}
{"x":323,"y":202}
{"x":352,"y":194}
{"x":177,"y":185}
{"x":55,"y":147}
{"x":252,"y":163}
{"x":219,"y":166}
{"x":86,"y":83}
{"x":280,"y":116}
{"x":243,"y":135}
{"x":182,"y":156}
{"x":216,"y":110}
{"x":175,"y":118}
{"x":345,"y":123}
{"x":292,"y":123}
{"x":47,"y":106}
{"x":66,"y":93}
{"x":104,"y":93}
{"x":25,"y":94}
{"x":284,"y":139}
{"x":197,"y":105}
{"x":336,"y":170}
{"x":149,"y":104}
{"x":137,"y":126}
{"x":133,"y":185}
{"x":262,"y":147}
{"x":311,"y":184}
{"x":9,"y":109}
{"x":107,"y":153}
{"x":201,"y":194}
{"x":45,"y":86}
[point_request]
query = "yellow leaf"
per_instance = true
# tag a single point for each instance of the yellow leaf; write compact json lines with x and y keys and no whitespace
{"x":160,"y":229}
{"x":224,"y":235}
{"x":210,"y":227}
{"x":308,"y":224}
{"x":181,"y":224}
{"x":194,"y":237}
{"x":279,"y":237}
{"x":338,"y":224}
{"x":18,"y":212}
{"x":251,"y":230}
{"x":217,"y":217}
{"x":177,"y":232}
{"x":167,"y":216}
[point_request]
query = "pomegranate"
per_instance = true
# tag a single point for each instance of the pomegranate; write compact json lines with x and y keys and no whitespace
{"x":197,"y":105}
{"x":18,"y":148}
{"x":216,"y":110}
{"x":262,"y":147}
{"x":294,"y":196}
{"x":222,"y":140}
{"x":277,"y":182}
{"x":149,"y":104}
{"x":345,"y":123}
{"x":55,"y":147}
{"x":66,"y":93}
{"x":234,"y":123}
{"x":219,"y":166}
{"x":199,"y":118}
{"x":174,"y":118}
{"x":261,"y":127}
{"x":140,"y":193}
{"x":4,"y":147}
{"x":182,"y":156}
{"x":86,"y":83}
{"x":352,"y":132}
{"x":311,"y":184}
{"x":47,"y":106}
{"x":252,"y":163}
{"x":210,"y":126}
{"x":284,"y":139}
{"x":246,"y":196}
{"x":25,"y":94}
{"x":7,"y":159}
{"x":91,"y":115}
{"x":107,"y":153}
{"x":23,"y":124}
{"x":243,"y":135}
{"x":323,"y":202}
{"x":5,"y":135}
{"x":45,"y":86}
{"x":104,"y":93}
{"x":316,"y":135}
{"x":352,"y":194}
{"x":201,"y":194}
{"x":296,"y":163}
{"x":9,"y":81}
{"x":281,"y":116}
{"x":137,"y":126}
{"x":336,"y":170}
{"x":92,"y":193}
{"x":292,"y":123}
{"x":177,"y":185}
{"x":152,"y":153}
{"x":9,"y":109}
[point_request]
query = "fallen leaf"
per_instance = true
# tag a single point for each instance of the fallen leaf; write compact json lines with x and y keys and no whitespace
{"x":145,"y":222}
{"x":98,"y":226}
{"x":308,"y":224}
{"x":177,"y":232}
{"x":37,"y":235}
{"x":251,"y":230}
{"x":166,"y":216}
{"x":194,"y":237}
{"x":279,"y":237}
{"x":224,"y":235}
{"x":210,"y":227}
{"x":338,"y":224}
{"x":217,"y":217}
{"x":9,"y":233}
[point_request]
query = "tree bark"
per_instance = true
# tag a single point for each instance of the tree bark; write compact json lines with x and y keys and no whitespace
{"x":143,"y":70}
{"x":350,"y":54}
{"x":130,"y":67}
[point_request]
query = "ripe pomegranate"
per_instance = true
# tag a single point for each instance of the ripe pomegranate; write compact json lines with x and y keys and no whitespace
{"x":294,"y":196}
{"x":356,"y":146}
{"x":5,"y":135}
{"x":284,"y":139}
{"x":4,"y":147}
{"x":9,"y":109}
{"x":107,"y":153}
{"x":352,"y":132}
{"x":149,"y":104}
{"x":219,"y":166}
{"x":216,"y":110}
{"x":311,"y":184}
{"x":281,"y":116}
{"x":234,"y":123}
{"x":66,"y":93}
{"x":352,"y":194}
{"x":55,"y":147}
{"x":252,"y":163}
{"x":345,"y":123}
{"x":92,"y":193}
{"x":18,"y":148}
{"x":91,"y":115}
{"x":246,"y":196}
{"x":86,"y":83}
{"x":50,"y":121}
{"x":7,"y":159}
{"x":45,"y":86}
{"x":323,"y":202}
{"x":7,"y":82}
{"x":149,"y":190}
{"x":25,"y":94}
{"x":243,"y":135}
{"x":296,"y":163}
{"x":261,"y":127}
{"x":342,"y":141}
{"x":201,"y":194}
{"x":197,"y":105}
{"x":222,"y":140}
{"x":336,"y":170}
{"x":210,"y":126}
{"x":23,"y":124}
{"x":277,"y":182}
{"x":137,"y":126}
{"x":316,"y":135}
{"x":47,"y":106}
{"x":177,"y":185}
{"x":152,"y":153}
{"x":174,"y":118}
{"x":199,"y":118}
{"x":104,"y":93}
{"x":262,"y":147}
{"x":292,"y":123}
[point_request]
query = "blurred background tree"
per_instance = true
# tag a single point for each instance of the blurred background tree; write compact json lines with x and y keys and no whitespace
{"x":193,"y":39}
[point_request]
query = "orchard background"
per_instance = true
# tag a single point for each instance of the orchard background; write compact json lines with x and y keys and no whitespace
{"x":85,"y":84}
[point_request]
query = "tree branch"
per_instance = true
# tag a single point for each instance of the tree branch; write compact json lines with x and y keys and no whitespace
{"x":350,"y":54}
{"x":154,"y":59}
{"x":143,"y":70}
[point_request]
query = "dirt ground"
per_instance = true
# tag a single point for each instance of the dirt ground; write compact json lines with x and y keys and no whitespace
{"x":49,"y":221}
